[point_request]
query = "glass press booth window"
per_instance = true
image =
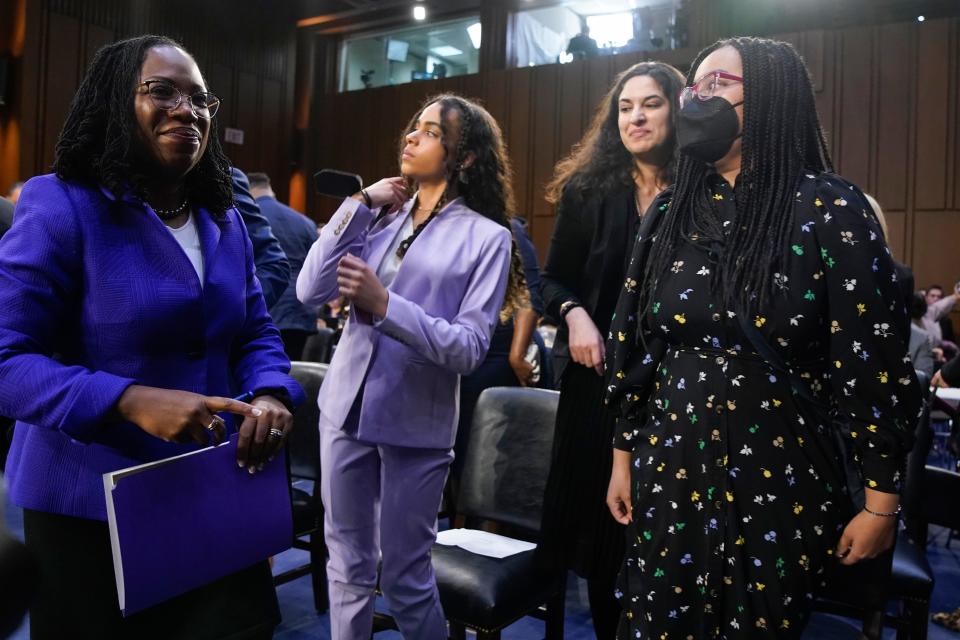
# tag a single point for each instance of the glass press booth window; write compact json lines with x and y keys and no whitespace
{"x":580,"y":29}
{"x":427,"y":52}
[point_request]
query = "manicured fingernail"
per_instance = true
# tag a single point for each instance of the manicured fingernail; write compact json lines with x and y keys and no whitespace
{"x":260,"y":467}
{"x":252,"y":470}
{"x":257,"y":412}
{"x":241,"y":464}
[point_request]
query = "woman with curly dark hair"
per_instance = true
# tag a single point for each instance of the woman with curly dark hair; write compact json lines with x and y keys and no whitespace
{"x":624,"y":159}
{"x":129,"y":315}
{"x":760,"y":306}
{"x":427,"y":278}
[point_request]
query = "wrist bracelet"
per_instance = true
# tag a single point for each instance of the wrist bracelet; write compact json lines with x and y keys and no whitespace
{"x":881,"y":514}
{"x":366,"y":199}
{"x":567,"y":307}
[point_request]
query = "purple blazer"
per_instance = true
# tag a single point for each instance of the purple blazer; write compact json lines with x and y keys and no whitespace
{"x":95,"y":295}
{"x":444,"y":303}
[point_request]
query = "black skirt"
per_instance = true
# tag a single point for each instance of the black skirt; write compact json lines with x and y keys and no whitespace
{"x":77,"y":597}
{"x":577,"y":531}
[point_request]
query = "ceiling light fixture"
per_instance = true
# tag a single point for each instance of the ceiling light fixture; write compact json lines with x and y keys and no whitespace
{"x":419,"y":12}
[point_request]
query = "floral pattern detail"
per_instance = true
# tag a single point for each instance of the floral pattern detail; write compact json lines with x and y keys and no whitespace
{"x":739,"y":495}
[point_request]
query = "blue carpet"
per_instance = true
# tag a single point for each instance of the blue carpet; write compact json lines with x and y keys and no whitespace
{"x":301,"y":622}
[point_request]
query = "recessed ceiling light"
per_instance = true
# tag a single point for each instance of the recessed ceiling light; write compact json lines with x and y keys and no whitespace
{"x":920,"y":18}
{"x":419,"y":12}
{"x":446,"y":51}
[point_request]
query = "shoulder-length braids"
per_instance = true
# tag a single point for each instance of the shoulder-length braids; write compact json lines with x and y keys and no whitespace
{"x":99,"y":143}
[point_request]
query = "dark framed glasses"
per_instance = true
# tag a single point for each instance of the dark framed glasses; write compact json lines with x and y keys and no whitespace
{"x":167,"y":97}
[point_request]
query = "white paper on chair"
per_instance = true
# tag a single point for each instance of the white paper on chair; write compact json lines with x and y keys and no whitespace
{"x":951,"y":394}
{"x":483,"y":543}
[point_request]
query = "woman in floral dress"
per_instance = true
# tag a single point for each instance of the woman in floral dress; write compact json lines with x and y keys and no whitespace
{"x":725,"y":467}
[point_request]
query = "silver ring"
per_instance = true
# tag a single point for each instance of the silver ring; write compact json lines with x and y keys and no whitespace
{"x":217,"y":420}
{"x":276,"y":433}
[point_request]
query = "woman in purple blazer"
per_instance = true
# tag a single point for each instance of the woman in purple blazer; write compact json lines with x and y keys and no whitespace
{"x":129,"y":314}
{"x":426,"y":278}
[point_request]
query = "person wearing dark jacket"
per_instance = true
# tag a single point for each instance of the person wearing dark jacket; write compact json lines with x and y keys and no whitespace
{"x":296,"y":233}
{"x":273,"y":270}
{"x":601,"y":191}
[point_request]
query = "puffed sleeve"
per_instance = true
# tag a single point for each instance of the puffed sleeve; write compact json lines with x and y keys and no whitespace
{"x":871,"y":374}
{"x":633,"y":357}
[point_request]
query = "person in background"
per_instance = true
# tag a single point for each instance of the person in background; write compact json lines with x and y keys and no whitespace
{"x":601,"y":191}
{"x":937,"y":317}
{"x":506,"y":364}
{"x":273,"y":270}
{"x":296,"y":234}
{"x":130,"y":315}
{"x":921,"y":353}
{"x":582,"y":46}
{"x":14,"y":193}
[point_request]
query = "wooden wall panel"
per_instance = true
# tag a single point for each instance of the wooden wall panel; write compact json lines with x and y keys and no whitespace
{"x":61,"y":79}
{"x":932,"y":102}
{"x":544,"y":105}
{"x":519,"y":138}
{"x":271,"y":112}
{"x":893,"y":117}
{"x":855,"y":93}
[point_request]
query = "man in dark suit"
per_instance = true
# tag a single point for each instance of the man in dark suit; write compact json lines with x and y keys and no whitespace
{"x":273,"y":271}
{"x":296,"y":234}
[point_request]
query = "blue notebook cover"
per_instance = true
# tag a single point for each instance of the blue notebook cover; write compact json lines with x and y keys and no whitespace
{"x":179,"y":523}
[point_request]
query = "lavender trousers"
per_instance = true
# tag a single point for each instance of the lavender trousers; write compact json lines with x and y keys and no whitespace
{"x":381,"y":499}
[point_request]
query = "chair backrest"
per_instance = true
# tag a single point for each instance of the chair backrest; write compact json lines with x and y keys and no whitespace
{"x":937,"y":506}
{"x":319,"y":346}
{"x":508,"y":457}
{"x":914,"y":480}
{"x":303,"y":445}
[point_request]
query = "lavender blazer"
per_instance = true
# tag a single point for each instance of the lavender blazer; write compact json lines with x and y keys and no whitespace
{"x":96,"y":295}
{"x":444,"y":303}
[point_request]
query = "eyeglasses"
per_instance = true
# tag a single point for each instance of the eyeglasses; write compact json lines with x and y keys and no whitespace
{"x":167,"y":97}
{"x":707,"y":86}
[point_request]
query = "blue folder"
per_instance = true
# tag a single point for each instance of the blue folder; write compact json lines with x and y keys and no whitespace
{"x":183,"y":522}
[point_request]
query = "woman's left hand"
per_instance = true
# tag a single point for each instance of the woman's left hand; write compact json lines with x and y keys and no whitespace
{"x":866,"y":536}
{"x":257,"y":442}
{"x":361,"y":286}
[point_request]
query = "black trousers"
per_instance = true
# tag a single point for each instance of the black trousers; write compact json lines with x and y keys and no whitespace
{"x":77,"y":597}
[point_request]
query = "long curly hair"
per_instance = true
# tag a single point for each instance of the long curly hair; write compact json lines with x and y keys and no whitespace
{"x":99,"y":142}
{"x":781,"y":138}
{"x":599,"y":162}
{"x":485,"y":184}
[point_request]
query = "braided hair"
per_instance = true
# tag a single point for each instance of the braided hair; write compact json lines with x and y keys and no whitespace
{"x":781,"y":138}
{"x":485,"y":184}
{"x":600,"y":162}
{"x":99,"y":142}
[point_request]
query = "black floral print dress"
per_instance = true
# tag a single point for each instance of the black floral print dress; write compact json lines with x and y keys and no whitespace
{"x":739,"y":496}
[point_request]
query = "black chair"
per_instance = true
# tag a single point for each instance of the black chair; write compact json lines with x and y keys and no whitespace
{"x":503,"y":482}
{"x":911,"y":579}
{"x":319,"y":346}
{"x":303,"y":463}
